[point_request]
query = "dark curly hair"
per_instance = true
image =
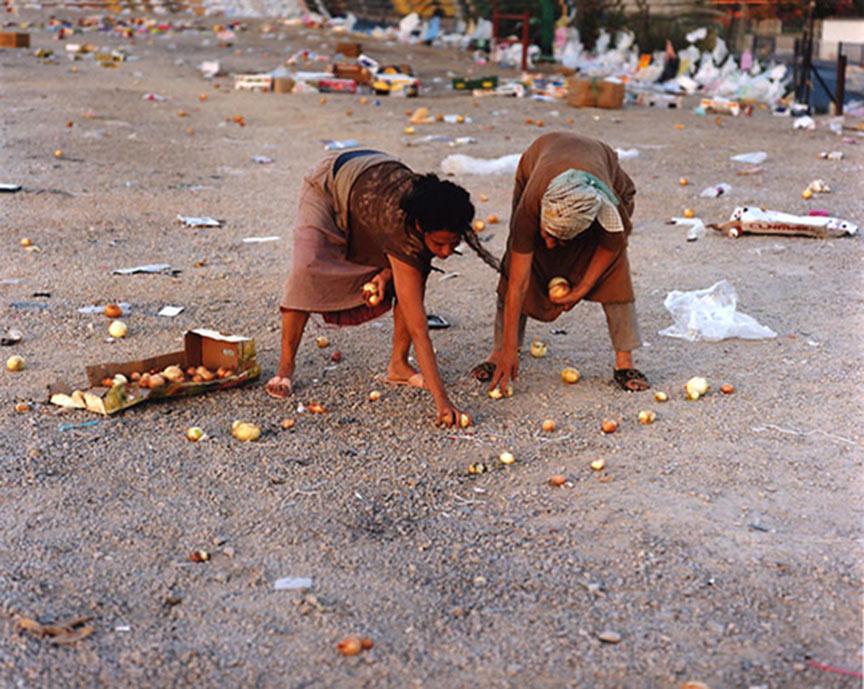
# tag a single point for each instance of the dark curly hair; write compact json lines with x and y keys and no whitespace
{"x":434,"y":204}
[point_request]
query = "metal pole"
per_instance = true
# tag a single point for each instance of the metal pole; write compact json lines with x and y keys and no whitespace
{"x":840,"y":92}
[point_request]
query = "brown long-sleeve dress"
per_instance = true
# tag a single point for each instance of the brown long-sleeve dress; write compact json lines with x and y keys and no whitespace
{"x":347,"y":224}
{"x":543,"y":160}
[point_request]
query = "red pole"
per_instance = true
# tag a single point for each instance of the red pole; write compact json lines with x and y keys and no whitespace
{"x":526,"y":37}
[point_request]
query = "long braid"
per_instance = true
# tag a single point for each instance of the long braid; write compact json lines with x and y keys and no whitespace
{"x":472,"y":240}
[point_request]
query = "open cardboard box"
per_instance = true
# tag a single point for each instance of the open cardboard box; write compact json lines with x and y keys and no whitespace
{"x":207,"y":348}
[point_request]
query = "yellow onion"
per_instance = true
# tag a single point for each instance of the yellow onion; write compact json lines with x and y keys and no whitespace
{"x":538,"y":349}
{"x":194,"y":434}
{"x":245,"y":431}
{"x":117,"y":329}
{"x":570,"y":375}
{"x":646,"y":417}
{"x":15,"y":363}
{"x":695,"y":388}
{"x":173,"y":373}
{"x":558,"y":288}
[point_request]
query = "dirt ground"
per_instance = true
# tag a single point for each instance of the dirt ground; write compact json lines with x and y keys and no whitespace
{"x":722,"y":543}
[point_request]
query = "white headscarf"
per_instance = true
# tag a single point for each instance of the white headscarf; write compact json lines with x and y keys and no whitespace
{"x":573,"y":200}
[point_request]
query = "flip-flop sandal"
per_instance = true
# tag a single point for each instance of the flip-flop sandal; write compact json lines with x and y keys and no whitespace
{"x":623,"y":376}
{"x":275,"y":395}
{"x":483,"y":372}
{"x":415,"y":380}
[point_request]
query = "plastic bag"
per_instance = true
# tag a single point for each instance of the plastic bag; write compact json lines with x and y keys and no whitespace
{"x":754,"y":158}
{"x":466,"y":165}
{"x":710,"y":314}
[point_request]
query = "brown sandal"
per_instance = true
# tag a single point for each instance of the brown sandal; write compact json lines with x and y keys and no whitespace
{"x":625,"y":376}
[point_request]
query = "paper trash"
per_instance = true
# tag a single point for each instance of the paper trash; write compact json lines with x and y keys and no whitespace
{"x":196,"y":221}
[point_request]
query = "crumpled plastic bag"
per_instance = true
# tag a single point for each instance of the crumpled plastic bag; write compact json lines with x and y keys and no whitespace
{"x":466,"y":165}
{"x":711,"y":314}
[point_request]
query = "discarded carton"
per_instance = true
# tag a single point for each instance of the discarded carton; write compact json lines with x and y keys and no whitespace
{"x":581,"y":93}
{"x":253,"y":82}
{"x":610,"y":95}
{"x":482,"y":83}
{"x":349,"y":49}
{"x":283,"y":84}
{"x":10,"y":39}
{"x":206,"y":348}
{"x":337,"y":86}
{"x":356,"y":73}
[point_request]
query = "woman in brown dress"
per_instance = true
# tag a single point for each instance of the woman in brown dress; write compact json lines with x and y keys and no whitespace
{"x":572,"y":205}
{"x":366,"y":217}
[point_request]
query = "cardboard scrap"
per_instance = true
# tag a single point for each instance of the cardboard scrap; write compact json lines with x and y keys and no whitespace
{"x":60,"y":633}
{"x":202,"y":347}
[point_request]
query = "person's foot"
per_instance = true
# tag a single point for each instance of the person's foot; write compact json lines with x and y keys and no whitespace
{"x":483,"y":372}
{"x":279,"y":387}
{"x":402,"y":373}
{"x":631,"y":379}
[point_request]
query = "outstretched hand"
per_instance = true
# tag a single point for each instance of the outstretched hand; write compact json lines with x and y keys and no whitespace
{"x":506,"y":369}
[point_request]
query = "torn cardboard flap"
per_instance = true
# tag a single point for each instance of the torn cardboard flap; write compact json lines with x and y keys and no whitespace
{"x":231,"y":358}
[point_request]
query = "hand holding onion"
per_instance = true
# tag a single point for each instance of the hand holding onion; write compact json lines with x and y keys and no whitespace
{"x":374,"y":290}
{"x":448,"y":415}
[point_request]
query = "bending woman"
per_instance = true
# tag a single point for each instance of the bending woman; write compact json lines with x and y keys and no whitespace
{"x":366,"y":217}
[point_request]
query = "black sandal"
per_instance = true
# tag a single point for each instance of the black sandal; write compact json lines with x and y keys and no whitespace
{"x":624,"y":376}
{"x":483,"y":372}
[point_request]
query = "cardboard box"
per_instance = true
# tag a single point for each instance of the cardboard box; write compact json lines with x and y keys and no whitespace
{"x":356,"y":73}
{"x":283,"y":85}
{"x":610,"y":95}
{"x":202,"y":347}
{"x":581,"y":93}
{"x":349,"y":49}
{"x":594,"y":93}
{"x":10,"y":39}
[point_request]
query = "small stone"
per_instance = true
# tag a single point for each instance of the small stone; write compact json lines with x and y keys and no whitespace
{"x":479,"y":581}
{"x":609,"y":637}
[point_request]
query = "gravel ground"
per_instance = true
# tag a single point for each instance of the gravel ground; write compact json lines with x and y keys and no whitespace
{"x":720,"y":545}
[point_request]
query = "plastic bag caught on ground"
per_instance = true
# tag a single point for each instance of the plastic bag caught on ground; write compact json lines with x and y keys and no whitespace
{"x":754,"y":158}
{"x":711,"y":314}
{"x":466,"y":165}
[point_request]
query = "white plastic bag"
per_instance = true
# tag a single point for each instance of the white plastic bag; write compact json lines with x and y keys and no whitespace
{"x":466,"y":165}
{"x":710,"y":314}
{"x":754,"y":158}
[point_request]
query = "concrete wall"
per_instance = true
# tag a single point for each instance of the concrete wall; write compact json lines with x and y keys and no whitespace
{"x":847,"y":31}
